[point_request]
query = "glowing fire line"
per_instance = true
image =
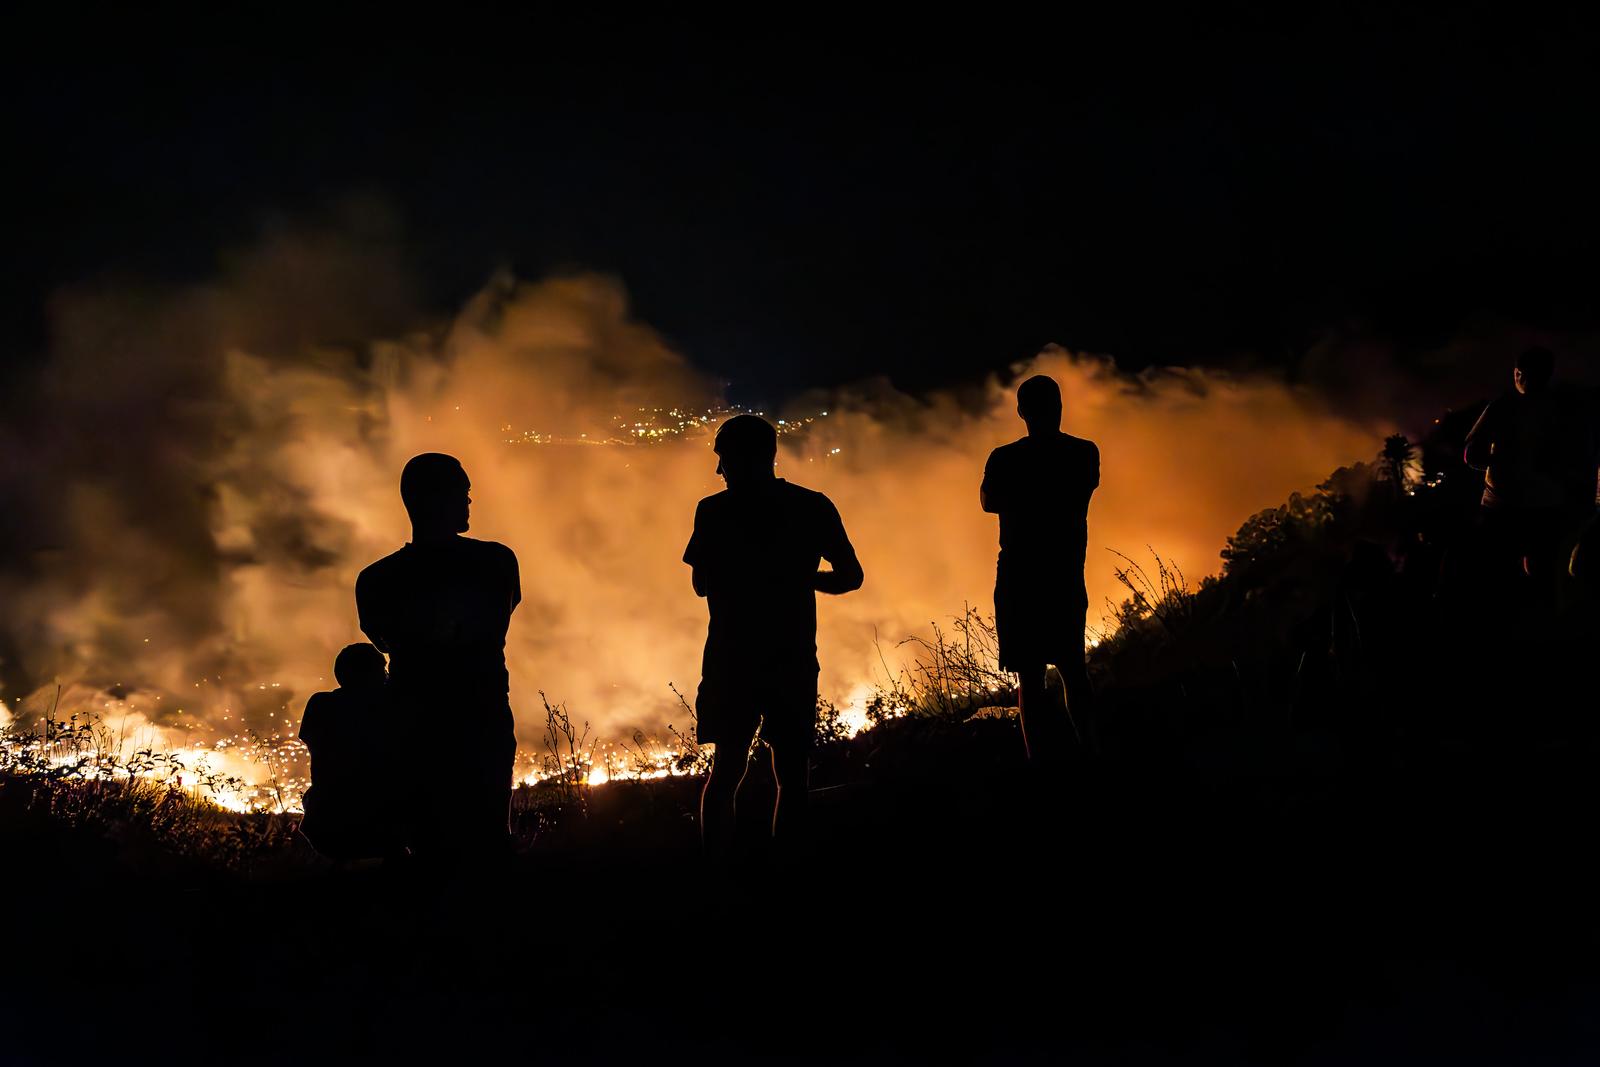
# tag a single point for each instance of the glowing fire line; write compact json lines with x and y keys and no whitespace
{"x":253,"y":774}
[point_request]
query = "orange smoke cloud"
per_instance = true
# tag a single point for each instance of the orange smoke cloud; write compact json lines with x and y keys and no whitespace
{"x":275,"y":476}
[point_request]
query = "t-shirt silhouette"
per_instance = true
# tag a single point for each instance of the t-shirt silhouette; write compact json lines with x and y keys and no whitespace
{"x":441,"y":609}
{"x":756,"y":550}
{"x":1041,"y":486}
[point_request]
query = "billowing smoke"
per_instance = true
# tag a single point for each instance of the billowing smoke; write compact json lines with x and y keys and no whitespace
{"x":195,"y":478}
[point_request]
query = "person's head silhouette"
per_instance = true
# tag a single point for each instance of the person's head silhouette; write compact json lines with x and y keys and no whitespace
{"x":434,"y":488}
{"x":1039,"y":404}
{"x":360,"y":666}
{"x":1534,"y":369}
{"x":746,"y":448}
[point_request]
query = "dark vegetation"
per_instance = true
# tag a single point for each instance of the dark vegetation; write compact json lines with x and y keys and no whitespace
{"x":1343,"y":814}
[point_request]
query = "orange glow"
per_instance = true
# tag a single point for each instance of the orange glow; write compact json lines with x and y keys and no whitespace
{"x":586,"y":439}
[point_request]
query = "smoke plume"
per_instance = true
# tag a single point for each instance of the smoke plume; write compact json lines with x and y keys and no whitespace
{"x":194,"y":478}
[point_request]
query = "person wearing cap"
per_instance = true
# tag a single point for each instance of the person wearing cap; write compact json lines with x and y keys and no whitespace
{"x":755,"y":556}
{"x":440,"y":608}
{"x":1040,"y":487}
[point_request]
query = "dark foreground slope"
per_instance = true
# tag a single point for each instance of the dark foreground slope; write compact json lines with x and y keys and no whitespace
{"x":1271,"y":900}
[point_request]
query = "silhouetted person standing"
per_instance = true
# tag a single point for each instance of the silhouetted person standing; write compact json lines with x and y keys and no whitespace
{"x":1040,"y":487}
{"x":1537,"y":451}
{"x":346,"y":730}
{"x":440,"y":608}
{"x":755,"y":553}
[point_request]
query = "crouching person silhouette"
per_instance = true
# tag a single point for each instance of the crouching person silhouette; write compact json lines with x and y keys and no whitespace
{"x":755,"y":554}
{"x":347,"y":814}
{"x":440,"y":608}
{"x":1040,"y":487}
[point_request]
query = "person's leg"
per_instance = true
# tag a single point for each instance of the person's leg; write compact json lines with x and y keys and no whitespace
{"x":719,"y":797}
{"x":1543,"y":535}
{"x":1495,"y":565}
{"x":791,"y":767}
{"x":1041,"y":718}
{"x":1079,"y":693}
{"x":480,"y":825}
{"x":499,"y":777}
{"x":418,"y":809}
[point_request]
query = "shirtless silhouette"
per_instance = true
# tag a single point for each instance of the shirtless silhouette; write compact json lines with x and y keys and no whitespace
{"x":440,"y":607}
{"x":1040,"y":487}
{"x":755,"y":554}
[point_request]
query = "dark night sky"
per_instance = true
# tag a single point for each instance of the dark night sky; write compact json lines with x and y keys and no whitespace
{"x":811,"y":204}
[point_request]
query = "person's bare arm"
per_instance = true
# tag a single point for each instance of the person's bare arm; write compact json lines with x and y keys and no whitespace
{"x":846,"y":574}
{"x":989,"y":495}
{"x":367,"y":615}
{"x":1480,"y":439}
{"x":696,"y":555}
{"x":845,"y":577}
{"x":514,"y":579}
